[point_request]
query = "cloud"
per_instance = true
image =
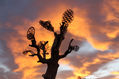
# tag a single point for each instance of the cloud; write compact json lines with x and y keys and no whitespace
{"x":64,"y":74}
{"x":95,"y":30}
{"x":106,"y":70}
{"x":7,"y":64}
{"x":86,"y":48}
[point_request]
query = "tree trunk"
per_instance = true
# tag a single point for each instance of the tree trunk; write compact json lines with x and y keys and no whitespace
{"x":52,"y":63}
{"x":52,"y":68}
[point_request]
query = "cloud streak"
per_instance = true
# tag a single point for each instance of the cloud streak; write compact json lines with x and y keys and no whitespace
{"x":95,"y":28}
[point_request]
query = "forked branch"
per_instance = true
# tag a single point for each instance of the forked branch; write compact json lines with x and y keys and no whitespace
{"x":52,"y":63}
{"x":70,"y":49}
{"x":30,"y":36}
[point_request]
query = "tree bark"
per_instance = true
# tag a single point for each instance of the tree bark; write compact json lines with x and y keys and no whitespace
{"x":51,"y":71}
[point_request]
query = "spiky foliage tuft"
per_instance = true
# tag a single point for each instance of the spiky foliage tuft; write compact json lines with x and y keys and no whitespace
{"x":30,"y":33}
{"x":67,"y":16}
{"x":66,"y":19}
{"x":47,"y":25}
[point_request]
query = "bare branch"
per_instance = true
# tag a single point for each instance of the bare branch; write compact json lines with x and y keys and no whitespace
{"x":29,"y":51}
{"x":70,"y":48}
{"x":63,"y":28}
{"x":42,"y":60}
{"x":67,"y":18}
{"x":30,"y":36}
{"x":52,"y":63}
{"x":42,"y":45}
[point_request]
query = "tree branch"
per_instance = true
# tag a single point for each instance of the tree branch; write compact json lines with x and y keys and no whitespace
{"x":56,"y":44}
{"x":69,"y":50}
{"x":30,"y":36}
{"x":67,"y":18}
{"x":33,"y":43}
{"x":43,"y":47}
{"x":58,"y":40}
{"x":63,"y":28}
{"x":42,"y":60}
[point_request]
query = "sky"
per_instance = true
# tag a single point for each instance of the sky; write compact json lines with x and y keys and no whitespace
{"x":95,"y":29}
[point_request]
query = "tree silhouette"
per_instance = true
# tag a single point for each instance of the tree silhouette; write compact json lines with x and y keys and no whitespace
{"x":52,"y":63}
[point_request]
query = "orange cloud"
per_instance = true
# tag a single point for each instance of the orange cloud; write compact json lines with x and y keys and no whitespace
{"x":115,"y":73}
{"x":80,"y":27}
{"x":110,"y":56}
{"x":83,"y":71}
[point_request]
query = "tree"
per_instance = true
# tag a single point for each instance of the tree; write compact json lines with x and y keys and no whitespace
{"x":52,"y":63}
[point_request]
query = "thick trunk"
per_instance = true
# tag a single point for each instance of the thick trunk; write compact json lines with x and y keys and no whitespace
{"x":52,"y":63}
{"x":51,"y":72}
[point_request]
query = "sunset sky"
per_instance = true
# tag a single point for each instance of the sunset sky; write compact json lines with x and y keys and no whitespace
{"x":95,"y":29}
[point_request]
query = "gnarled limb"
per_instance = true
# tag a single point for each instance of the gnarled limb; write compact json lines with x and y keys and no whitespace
{"x":30,"y":36}
{"x":42,"y":46}
{"x":69,"y":50}
{"x":67,"y":18}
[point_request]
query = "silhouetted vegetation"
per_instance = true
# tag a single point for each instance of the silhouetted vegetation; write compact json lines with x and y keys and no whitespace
{"x":52,"y":63}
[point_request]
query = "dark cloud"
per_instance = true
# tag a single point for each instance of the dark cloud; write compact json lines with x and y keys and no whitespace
{"x":13,"y":13}
{"x":115,"y":44}
{"x":109,"y":77}
{"x":7,"y":64}
{"x":64,"y":74}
